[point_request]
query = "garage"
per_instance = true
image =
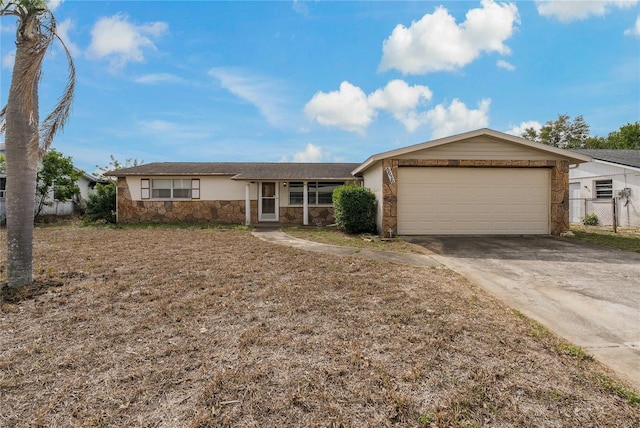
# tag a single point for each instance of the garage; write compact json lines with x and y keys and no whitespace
{"x":500,"y":201}
{"x":481,"y":182}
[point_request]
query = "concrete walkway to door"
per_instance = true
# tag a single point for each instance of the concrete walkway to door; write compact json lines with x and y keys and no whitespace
{"x":586,"y":293}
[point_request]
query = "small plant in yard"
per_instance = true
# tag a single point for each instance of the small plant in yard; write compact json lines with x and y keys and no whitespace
{"x":590,"y":219}
{"x":576,"y":352}
{"x":630,"y":395}
{"x":102,"y":204}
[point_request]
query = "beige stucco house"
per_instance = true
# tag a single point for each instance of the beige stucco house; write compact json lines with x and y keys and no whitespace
{"x":479,"y":182}
{"x":230,"y":192}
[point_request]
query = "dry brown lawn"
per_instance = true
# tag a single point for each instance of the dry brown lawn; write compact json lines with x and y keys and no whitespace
{"x":169,"y":327}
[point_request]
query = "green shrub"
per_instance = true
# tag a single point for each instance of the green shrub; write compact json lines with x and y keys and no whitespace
{"x":102,"y":204}
{"x":355,"y":209}
{"x":590,"y":220}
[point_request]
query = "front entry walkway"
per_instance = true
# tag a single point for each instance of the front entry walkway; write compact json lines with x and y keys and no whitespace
{"x":276,"y":235}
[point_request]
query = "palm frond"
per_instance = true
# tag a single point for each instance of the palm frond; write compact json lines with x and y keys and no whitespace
{"x":56,"y":120}
{"x":3,"y":120}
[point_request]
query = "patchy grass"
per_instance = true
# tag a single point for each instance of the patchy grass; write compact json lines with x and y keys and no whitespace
{"x":333,"y":236}
{"x":624,"y":240}
{"x":186,"y":327}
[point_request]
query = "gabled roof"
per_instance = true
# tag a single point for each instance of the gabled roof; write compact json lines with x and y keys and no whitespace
{"x":571,"y":156}
{"x":244,"y":170}
{"x":621,"y":157}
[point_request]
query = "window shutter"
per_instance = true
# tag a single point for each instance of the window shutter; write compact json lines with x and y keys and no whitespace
{"x":144,"y":188}
{"x":195,"y":188}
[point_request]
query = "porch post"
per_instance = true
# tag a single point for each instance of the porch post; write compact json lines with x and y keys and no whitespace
{"x":305,"y":203}
{"x":247,"y":204}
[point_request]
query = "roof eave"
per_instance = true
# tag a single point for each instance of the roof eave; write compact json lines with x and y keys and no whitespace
{"x":572,"y":156}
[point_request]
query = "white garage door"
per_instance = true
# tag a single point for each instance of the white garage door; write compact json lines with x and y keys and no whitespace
{"x":434,"y":201}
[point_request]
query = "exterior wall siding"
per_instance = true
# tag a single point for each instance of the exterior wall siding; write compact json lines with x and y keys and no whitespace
{"x":373,"y":178}
{"x":479,"y":148}
{"x":202,"y":211}
{"x":190,"y":211}
{"x":622,"y":178}
{"x":318,"y":216}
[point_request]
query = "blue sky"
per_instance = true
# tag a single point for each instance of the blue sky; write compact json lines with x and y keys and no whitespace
{"x":324,"y":81}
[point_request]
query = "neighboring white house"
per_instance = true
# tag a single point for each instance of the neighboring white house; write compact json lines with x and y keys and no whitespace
{"x":86,"y":185}
{"x":612,"y":178}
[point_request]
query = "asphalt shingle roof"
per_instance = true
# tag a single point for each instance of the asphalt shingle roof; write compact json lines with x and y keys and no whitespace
{"x":622,"y":157}
{"x":244,"y":170}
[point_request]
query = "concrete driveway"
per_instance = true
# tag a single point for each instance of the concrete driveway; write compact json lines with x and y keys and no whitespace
{"x":588,"y":294}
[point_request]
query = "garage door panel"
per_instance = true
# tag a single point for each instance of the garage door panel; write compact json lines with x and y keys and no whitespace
{"x":473,"y":201}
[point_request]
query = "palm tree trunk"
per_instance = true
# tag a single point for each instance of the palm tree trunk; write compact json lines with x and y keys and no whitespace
{"x":21,"y":144}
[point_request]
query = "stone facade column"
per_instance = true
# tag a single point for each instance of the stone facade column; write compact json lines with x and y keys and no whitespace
{"x":559,"y":197}
{"x":389,"y":198}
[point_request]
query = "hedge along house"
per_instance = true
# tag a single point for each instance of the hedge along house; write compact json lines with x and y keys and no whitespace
{"x":479,"y":182}
{"x":230,"y":192}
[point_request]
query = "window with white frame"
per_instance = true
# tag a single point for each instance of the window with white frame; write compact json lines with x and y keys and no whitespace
{"x":320,"y":193}
{"x":167,"y":188}
{"x":604,"y":189}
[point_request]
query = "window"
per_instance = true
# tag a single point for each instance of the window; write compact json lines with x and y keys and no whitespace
{"x":3,"y":187}
{"x":604,"y":189}
{"x":144,"y":188}
{"x":171,"y":189}
{"x":320,"y":193}
{"x":296,"y":193}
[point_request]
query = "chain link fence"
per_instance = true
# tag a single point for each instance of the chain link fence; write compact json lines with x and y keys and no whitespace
{"x":625,"y":211}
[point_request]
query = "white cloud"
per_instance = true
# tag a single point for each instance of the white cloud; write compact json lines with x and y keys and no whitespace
{"x":437,"y":43}
{"x":457,"y":118}
{"x":300,"y":7}
{"x":53,"y":4}
{"x":177,"y":133}
{"x":115,"y":37}
{"x":263,"y":92}
{"x":517,"y":130}
{"x":635,"y":30}
{"x":8,"y":59}
{"x":401,"y":100}
{"x":506,"y":65}
{"x":159,"y":78}
{"x":575,"y":10}
{"x":351,"y":110}
{"x":311,"y":153}
{"x":346,"y":108}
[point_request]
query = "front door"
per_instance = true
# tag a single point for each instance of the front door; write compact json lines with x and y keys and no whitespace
{"x":268,"y":206}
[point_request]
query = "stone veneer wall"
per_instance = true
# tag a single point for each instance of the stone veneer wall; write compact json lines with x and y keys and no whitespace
{"x":559,"y":216}
{"x":176,"y":211}
{"x":318,"y":216}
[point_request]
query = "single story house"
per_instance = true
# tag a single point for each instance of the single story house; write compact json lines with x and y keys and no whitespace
{"x":479,"y":182}
{"x":611,"y":179}
{"x":230,"y":192}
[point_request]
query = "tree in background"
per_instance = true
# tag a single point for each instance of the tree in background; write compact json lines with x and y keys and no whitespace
{"x":627,"y":138}
{"x":563,"y":133}
{"x":101,"y":205}
{"x":56,"y":174}
{"x":27,"y":139}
